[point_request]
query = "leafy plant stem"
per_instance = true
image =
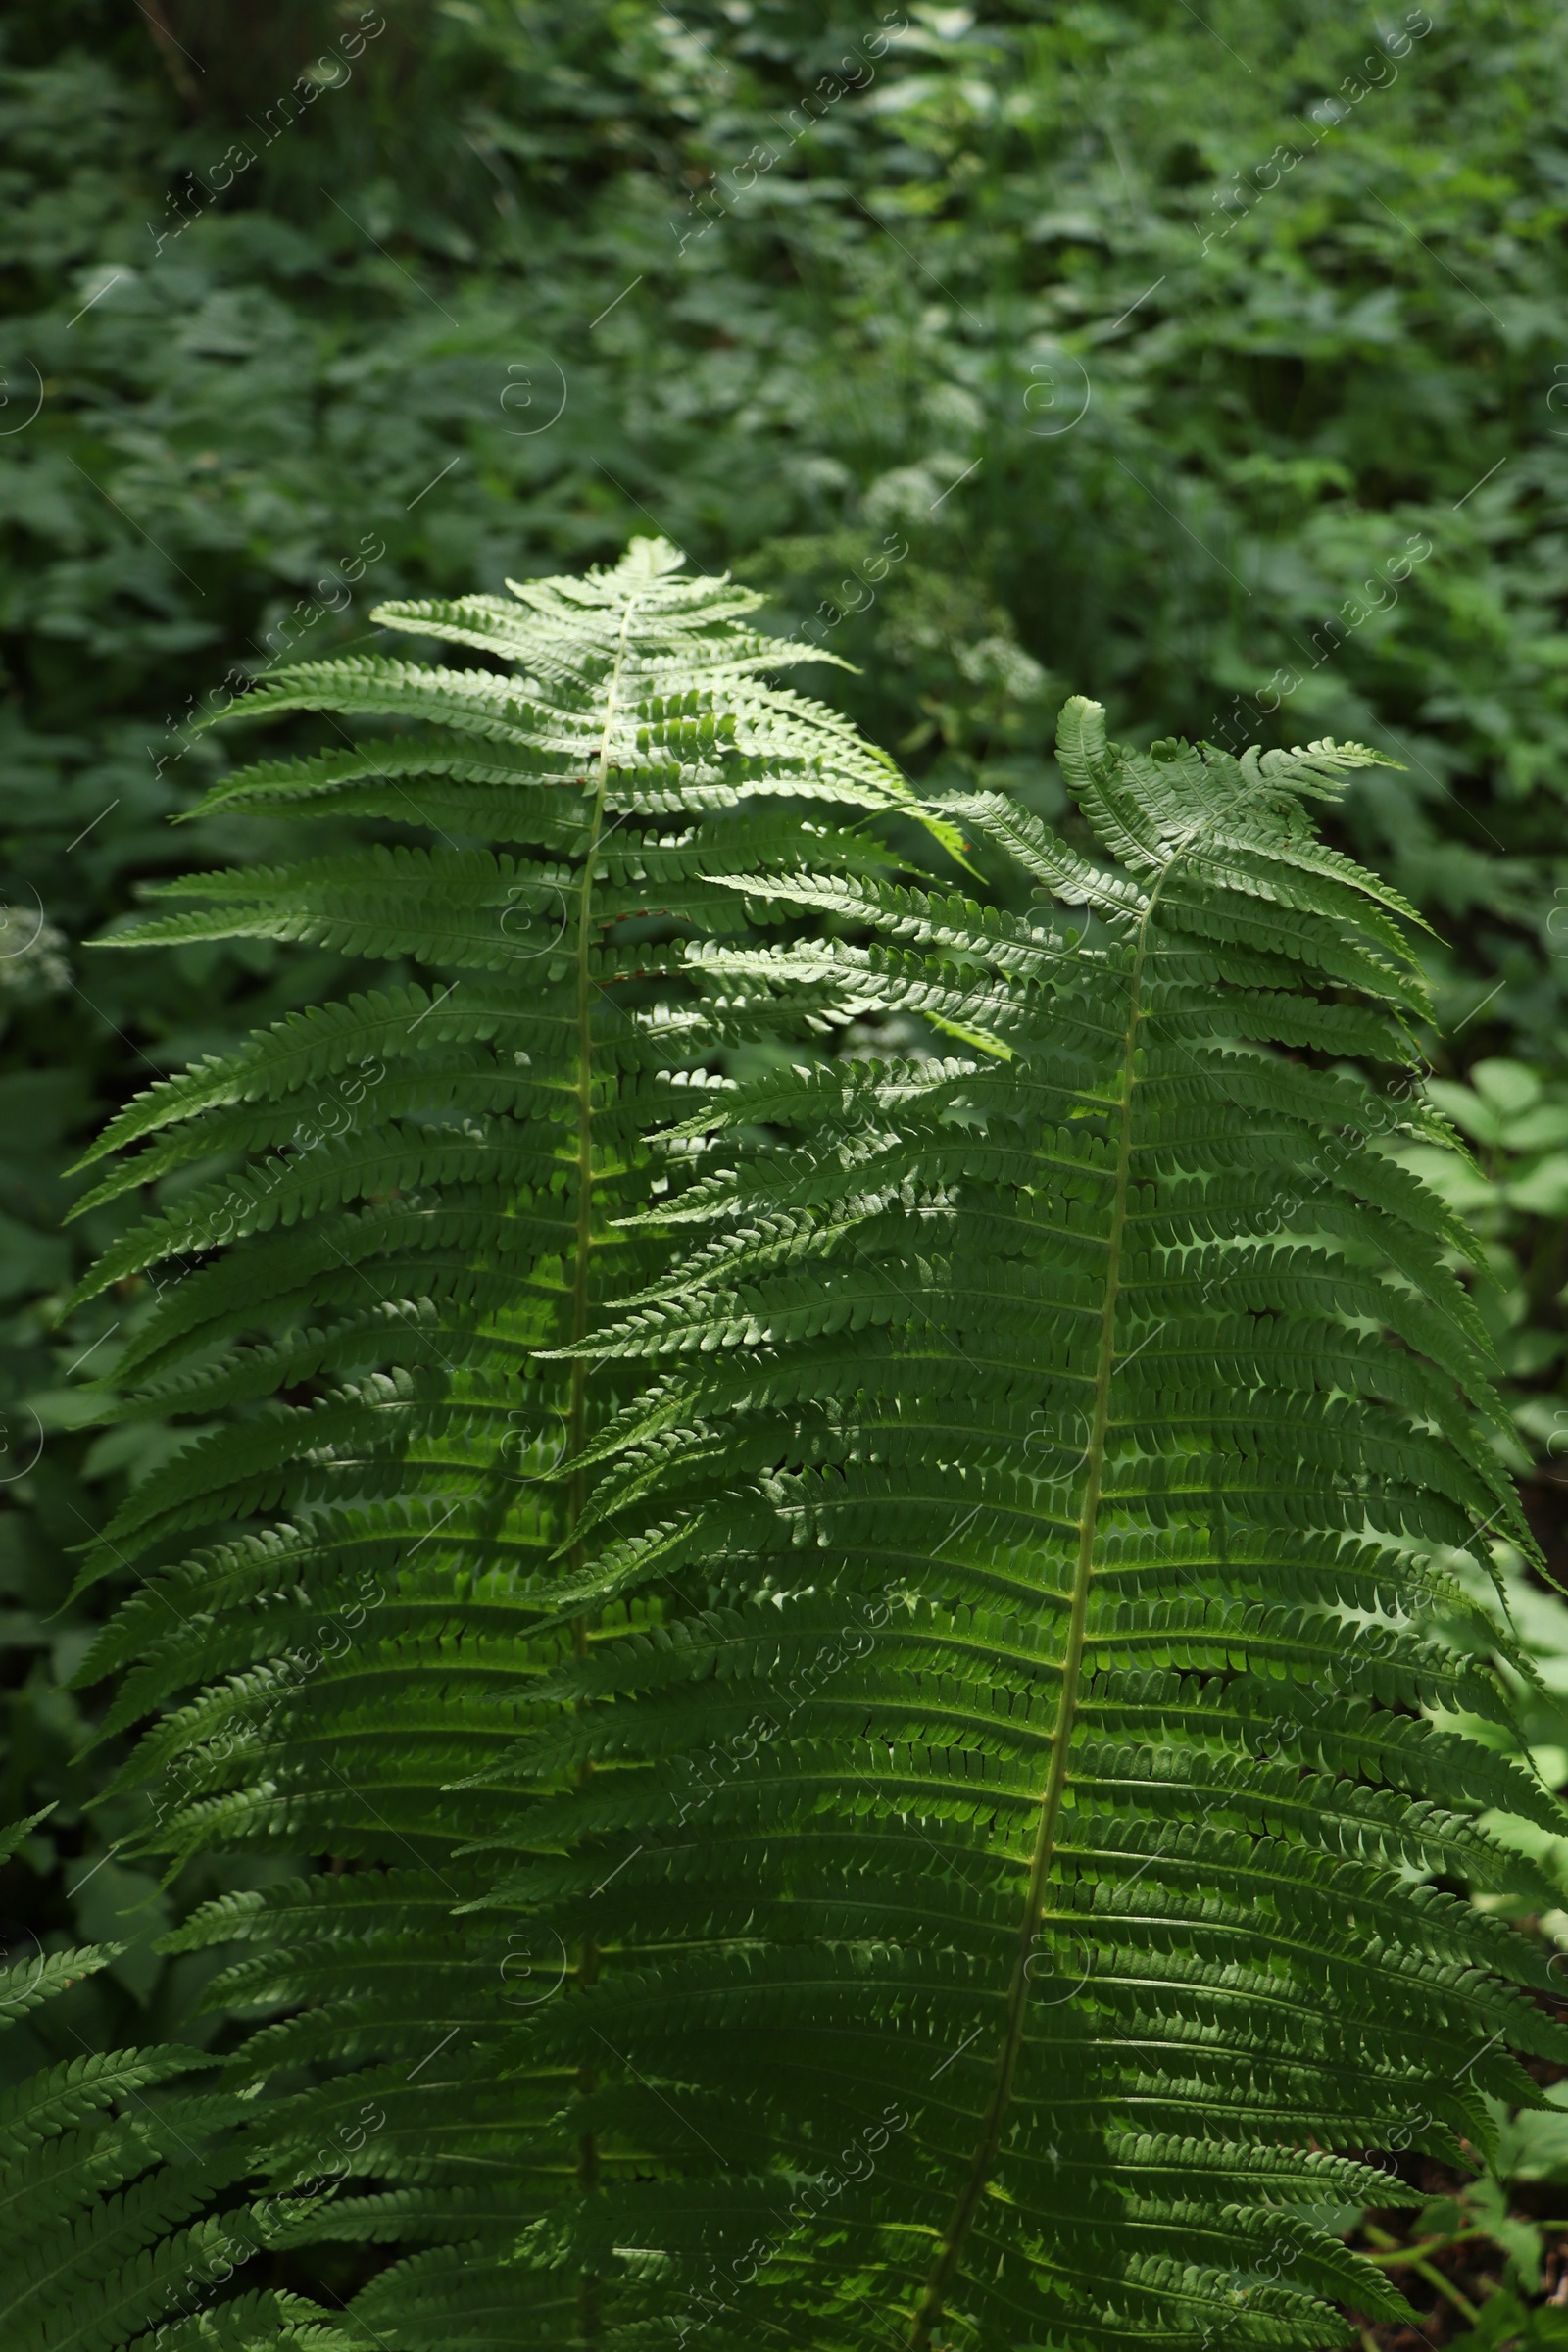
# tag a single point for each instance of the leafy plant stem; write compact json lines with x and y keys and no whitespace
{"x":585,"y":1112}
{"x":1398,"y":2257}
{"x":1425,"y":2270}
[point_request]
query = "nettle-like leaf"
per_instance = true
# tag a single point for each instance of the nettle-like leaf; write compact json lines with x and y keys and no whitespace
{"x":1023,"y":1828}
{"x":387,"y":1218}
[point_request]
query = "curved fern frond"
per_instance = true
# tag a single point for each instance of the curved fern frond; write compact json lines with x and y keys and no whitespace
{"x":396,"y":1209}
{"x":1017,"y":1811}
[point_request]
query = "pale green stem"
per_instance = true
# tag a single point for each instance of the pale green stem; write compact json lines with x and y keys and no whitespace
{"x":587,"y":1968}
{"x":928,"y":2311}
{"x":1425,"y":2270}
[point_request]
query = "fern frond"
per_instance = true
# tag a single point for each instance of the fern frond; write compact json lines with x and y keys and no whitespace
{"x":405,"y":1202}
{"x":1050,"y":1710}
{"x":875,"y":1642}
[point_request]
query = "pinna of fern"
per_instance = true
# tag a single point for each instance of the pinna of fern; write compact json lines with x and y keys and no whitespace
{"x":1022,"y":1812}
{"x":347,"y":1598}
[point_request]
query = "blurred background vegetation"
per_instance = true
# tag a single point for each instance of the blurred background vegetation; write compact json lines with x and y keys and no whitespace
{"x":1216,"y":366}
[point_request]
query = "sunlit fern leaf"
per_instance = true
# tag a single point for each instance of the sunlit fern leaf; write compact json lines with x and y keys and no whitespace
{"x":375,"y":1226}
{"x":1021,"y":1810}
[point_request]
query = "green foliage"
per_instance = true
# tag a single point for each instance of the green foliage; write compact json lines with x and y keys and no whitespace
{"x":1514,"y":1194}
{"x":941,"y":1797}
{"x":98,"y":2186}
{"x":1062,"y":1683}
{"x":1507,"y":2321}
{"x":385,"y":1217}
{"x":850,"y":265}
{"x":431,"y":1179}
{"x":1493,"y":2244}
{"x":856,"y":270}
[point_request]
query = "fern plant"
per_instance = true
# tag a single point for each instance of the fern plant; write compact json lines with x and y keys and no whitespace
{"x":377,"y":1219}
{"x":1025,"y":1801}
{"x":871,"y":1642}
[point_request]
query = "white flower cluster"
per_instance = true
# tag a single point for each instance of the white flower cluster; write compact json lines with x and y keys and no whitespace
{"x":31,"y":952}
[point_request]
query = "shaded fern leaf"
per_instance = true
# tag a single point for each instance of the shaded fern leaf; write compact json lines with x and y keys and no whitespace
{"x":1022,"y":1803}
{"x":380,"y":1222}
{"x":105,"y":2176}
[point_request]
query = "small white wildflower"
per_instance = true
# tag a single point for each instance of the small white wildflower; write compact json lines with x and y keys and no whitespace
{"x":31,"y":952}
